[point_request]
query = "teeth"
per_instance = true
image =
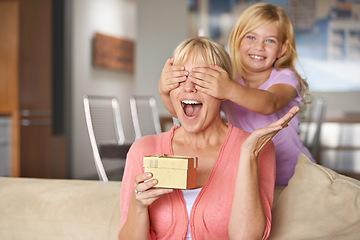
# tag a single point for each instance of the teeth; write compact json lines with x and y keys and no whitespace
{"x":257,"y":57}
{"x":190,"y":102}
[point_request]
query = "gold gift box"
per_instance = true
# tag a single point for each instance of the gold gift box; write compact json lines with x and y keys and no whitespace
{"x":172,"y":171}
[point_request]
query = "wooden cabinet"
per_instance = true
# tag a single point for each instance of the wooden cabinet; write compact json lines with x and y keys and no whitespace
{"x":26,"y":88}
{"x":9,"y":71}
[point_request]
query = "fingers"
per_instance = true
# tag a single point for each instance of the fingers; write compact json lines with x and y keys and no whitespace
{"x":282,"y":122}
{"x":287,"y":118}
{"x":206,"y":80}
{"x":174,"y":72}
{"x":141,"y":184}
{"x":217,"y":68}
{"x":294,"y":110}
{"x":212,"y":80}
{"x":204,"y":72}
{"x":260,"y":137}
{"x":144,"y":189}
{"x":169,"y":62}
{"x":179,"y":70}
{"x":208,"y":74}
{"x":166,"y":87}
{"x":171,"y":76}
{"x":210,"y":69}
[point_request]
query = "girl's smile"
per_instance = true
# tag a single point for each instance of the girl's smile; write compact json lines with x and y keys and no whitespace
{"x":256,"y":57}
{"x":261,"y":47}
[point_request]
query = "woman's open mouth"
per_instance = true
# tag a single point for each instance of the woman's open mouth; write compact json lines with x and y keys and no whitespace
{"x":191,"y":107}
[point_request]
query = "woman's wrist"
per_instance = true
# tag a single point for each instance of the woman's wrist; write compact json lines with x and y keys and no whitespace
{"x":247,"y":153}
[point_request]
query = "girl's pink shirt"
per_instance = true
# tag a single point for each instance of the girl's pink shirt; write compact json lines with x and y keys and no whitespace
{"x":288,"y":144}
{"x":210,"y":213}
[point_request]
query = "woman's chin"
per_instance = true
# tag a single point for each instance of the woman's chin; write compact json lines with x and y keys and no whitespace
{"x":191,"y":128}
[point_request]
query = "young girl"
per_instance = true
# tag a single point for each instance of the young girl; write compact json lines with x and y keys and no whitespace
{"x":266,"y":84}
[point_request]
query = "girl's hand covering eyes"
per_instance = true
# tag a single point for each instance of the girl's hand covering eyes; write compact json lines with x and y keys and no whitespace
{"x":212,"y":80}
{"x":171,"y":76}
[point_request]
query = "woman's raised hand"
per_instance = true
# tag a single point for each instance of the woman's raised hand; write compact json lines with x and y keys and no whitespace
{"x":144,"y":190}
{"x":257,"y":139}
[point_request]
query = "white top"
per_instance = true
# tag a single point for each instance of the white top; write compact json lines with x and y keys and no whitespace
{"x":189,"y":199}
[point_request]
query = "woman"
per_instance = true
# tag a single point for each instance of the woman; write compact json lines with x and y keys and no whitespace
{"x":234,"y":186}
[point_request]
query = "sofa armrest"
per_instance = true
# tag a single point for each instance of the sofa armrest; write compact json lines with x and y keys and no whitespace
{"x":58,"y":209}
{"x":318,"y":203}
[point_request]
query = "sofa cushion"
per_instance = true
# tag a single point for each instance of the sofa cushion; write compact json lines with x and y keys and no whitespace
{"x":318,"y":203}
{"x":57,"y":209}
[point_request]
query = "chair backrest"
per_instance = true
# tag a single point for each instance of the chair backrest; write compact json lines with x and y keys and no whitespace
{"x":145,"y":116}
{"x":311,"y":126}
{"x":176,"y":121}
{"x":104,"y":126}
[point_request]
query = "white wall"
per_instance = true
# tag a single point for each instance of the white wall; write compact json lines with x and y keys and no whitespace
{"x":341,"y":104}
{"x":157,"y":26}
{"x":162,"y":25}
{"x":112,"y":17}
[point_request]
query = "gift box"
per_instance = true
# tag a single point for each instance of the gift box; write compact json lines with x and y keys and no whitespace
{"x":172,"y":171}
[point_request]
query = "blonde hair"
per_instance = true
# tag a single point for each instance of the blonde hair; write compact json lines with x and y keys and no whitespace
{"x":255,"y":16}
{"x":210,"y":51}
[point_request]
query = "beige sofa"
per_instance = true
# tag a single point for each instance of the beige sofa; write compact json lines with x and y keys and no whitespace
{"x":36,"y":209}
{"x":317,"y":204}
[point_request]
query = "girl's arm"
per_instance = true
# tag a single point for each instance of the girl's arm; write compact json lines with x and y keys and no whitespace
{"x":248,"y":212}
{"x":170,"y":78}
{"x":137,"y":225}
{"x":216,"y":82}
{"x":265,"y":102}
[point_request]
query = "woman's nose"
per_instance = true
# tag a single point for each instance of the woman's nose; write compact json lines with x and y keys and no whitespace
{"x":189,"y":86}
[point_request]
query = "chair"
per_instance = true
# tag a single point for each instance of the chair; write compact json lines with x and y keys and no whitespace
{"x":106,"y":135}
{"x":311,"y":123}
{"x":145,"y":115}
{"x":176,"y":121}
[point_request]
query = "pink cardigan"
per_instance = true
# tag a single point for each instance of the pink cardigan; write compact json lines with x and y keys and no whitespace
{"x":210,"y":213}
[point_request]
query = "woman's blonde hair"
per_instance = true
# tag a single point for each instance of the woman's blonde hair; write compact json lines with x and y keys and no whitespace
{"x":210,"y":51}
{"x":255,"y":16}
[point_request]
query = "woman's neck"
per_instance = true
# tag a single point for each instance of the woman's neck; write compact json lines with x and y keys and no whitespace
{"x":205,"y":145}
{"x":211,"y":136}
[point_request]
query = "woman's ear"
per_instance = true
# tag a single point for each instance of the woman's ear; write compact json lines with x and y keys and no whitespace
{"x":282,"y":50}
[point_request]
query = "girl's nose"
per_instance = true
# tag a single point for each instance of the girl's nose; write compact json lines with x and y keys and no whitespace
{"x":189,"y":86}
{"x":259,"y":45}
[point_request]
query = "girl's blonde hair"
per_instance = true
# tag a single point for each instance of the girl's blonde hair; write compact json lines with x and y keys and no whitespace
{"x":210,"y":51}
{"x":255,"y":16}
